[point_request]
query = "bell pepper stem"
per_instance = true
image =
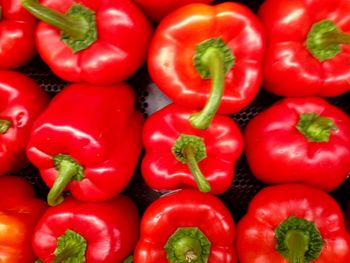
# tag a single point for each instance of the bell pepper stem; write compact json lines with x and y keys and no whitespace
{"x":4,"y":126}
{"x":66,"y":173}
{"x":214,"y":60}
{"x":297,"y":243}
{"x":334,"y":37}
{"x":186,"y":245}
{"x":191,"y":161}
{"x":70,"y":245}
{"x":129,"y":259}
{"x":75,"y":26}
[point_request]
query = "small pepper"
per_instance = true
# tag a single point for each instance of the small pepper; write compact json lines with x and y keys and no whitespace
{"x":300,"y":140}
{"x":101,"y":42}
{"x":293,"y":223}
{"x":186,"y":226}
{"x":308,"y":47}
{"x":17,"y":28}
{"x":87,"y":141}
{"x":102,"y":232}
{"x":21,"y":100}
{"x":208,"y":57}
{"x":20,"y":211}
{"x":178,"y":155}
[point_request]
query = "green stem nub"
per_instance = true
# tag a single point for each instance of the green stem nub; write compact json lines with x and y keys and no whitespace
{"x":5,"y":126}
{"x":78,"y":25}
{"x":71,"y":247}
{"x":188,"y":245}
{"x":315,"y":127}
{"x":68,"y":170}
{"x":298,"y":240}
{"x":190,"y":150}
{"x":324,"y":40}
{"x":129,"y":259}
{"x":212,"y":59}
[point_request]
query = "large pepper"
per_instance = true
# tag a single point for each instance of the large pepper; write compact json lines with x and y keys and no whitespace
{"x":17,"y":27}
{"x":178,"y":155}
{"x":157,"y":10}
{"x":308,"y":48}
{"x":21,"y":102}
{"x":208,"y":57}
{"x":186,"y":226}
{"x":104,"y":232}
{"x":293,"y":223}
{"x":101,"y":42}
{"x":20,"y":211}
{"x":88,"y":140}
{"x":300,"y":140}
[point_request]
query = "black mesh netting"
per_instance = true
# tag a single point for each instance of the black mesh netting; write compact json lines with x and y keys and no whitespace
{"x":243,"y":188}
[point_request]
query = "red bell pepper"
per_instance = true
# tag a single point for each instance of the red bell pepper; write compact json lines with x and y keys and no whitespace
{"x":308,"y":48}
{"x":186,"y":226}
{"x":208,"y":56}
{"x":293,"y":223}
{"x":157,"y":10}
{"x":178,"y":155}
{"x":101,"y":42}
{"x":104,"y":232}
{"x":19,"y":213}
{"x":17,"y":27}
{"x":300,"y":140}
{"x":21,"y":100}
{"x":88,"y":140}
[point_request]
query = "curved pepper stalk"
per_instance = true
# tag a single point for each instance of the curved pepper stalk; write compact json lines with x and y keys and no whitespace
{"x":78,"y":25}
{"x":68,"y":170}
{"x":213,"y":59}
{"x":324,"y":40}
{"x":190,"y":150}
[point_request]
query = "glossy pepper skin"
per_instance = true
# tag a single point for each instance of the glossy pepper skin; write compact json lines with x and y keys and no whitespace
{"x":157,"y":10}
{"x":186,"y":226}
{"x":20,"y":211}
{"x":17,"y":27}
{"x":88,"y":140}
{"x":208,"y":57}
{"x":100,"y":42}
{"x":167,"y":164}
{"x":102,"y":232}
{"x":308,"y":48}
{"x":21,"y":102}
{"x":300,"y":140}
{"x":307,"y":219}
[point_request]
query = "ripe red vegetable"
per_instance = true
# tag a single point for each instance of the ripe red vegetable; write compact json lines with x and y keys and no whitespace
{"x":186,"y":226}
{"x":208,"y":56}
{"x":178,"y":155}
{"x":87,"y":141}
{"x":308,"y":48}
{"x":300,"y":140}
{"x":103,"y":232}
{"x":17,"y":27}
{"x":101,"y":42}
{"x":157,"y":10}
{"x":21,"y":100}
{"x":293,"y":223}
{"x":19,"y":213}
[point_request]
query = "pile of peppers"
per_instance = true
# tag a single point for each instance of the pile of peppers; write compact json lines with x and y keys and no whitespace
{"x":210,"y":59}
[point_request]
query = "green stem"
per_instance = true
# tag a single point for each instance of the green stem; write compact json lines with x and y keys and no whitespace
{"x":214,"y":60}
{"x":202,"y":183}
{"x":186,"y":245}
{"x":4,"y":126}
{"x":324,"y":40}
{"x":75,"y":26}
{"x":71,"y":247}
{"x":66,"y":173}
{"x":129,"y":259}
{"x":314,"y":127}
{"x":297,"y":243}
